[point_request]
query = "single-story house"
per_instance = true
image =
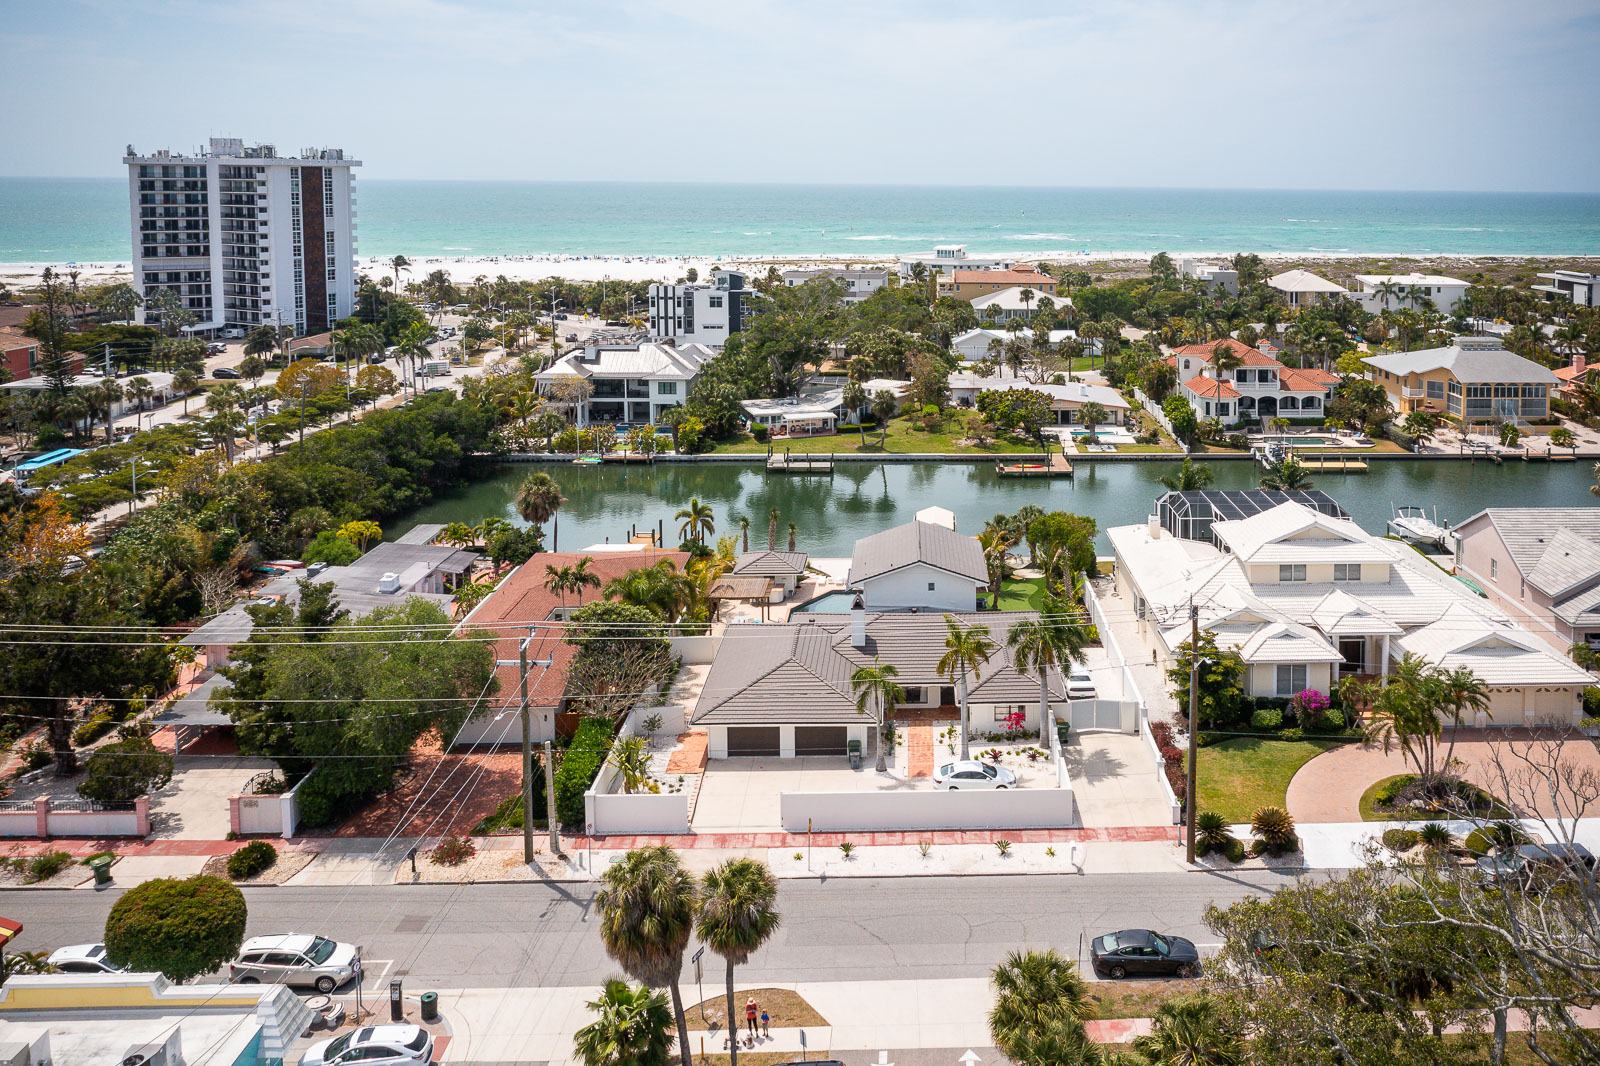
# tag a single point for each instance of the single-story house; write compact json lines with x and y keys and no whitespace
{"x":785,"y":569}
{"x":823,"y":411}
{"x":918,"y":566}
{"x":1065,"y":400}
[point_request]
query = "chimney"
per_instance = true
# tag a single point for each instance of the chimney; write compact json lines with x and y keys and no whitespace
{"x":858,"y":623}
{"x":1579,"y":361}
{"x":1155,"y":527}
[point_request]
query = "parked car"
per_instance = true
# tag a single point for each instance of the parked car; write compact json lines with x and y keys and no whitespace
{"x":572,"y":338}
{"x":437,"y":388}
{"x":1144,"y":951}
{"x":1080,"y":686}
{"x":375,"y":358}
{"x":1527,"y":865}
{"x":82,"y":958}
{"x":447,"y":332}
{"x":372,"y":1044}
{"x":233,"y":333}
{"x":973,"y":774}
{"x":216,"y":348}
{"x":225,"y":373}
{"x":296,"y":959}
{"x":561,"y":316}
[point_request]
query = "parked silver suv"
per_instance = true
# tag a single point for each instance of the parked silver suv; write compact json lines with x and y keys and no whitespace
{"x":296,"y":959}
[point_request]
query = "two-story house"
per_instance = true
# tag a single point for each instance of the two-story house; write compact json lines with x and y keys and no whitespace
{"x":918,"y":566}
{"x":1542,"y":564}
{"x":968,"y":285}
{"x":1380,"y":292}
{"x":626,"y":382}
{"x":701,"y":312}
{"x":1301,"y":288}
{"x":1259,"y":388}
{"x":1473,"y":378}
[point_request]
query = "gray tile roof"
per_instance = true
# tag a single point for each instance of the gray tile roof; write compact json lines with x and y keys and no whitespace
{"x":771,"y":564}
{"x":799,"y":672}
{"x":1470,"y":360}
{"x":1557,"y":549}
{"x":917,"y":542}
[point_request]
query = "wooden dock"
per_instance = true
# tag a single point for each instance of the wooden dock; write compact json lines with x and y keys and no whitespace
{"x":786,"y":464}
{"x":1052,"y":465}
{"x":1333,"y":464}
{"x":628,"y":457}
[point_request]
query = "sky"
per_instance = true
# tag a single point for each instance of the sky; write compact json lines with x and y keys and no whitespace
{"x":1388,"y":94}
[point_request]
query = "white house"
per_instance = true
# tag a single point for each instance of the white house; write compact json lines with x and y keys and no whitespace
{"x":1261,"y":387}
{"x":820,"y":412}
{"x":1305,"y":598}
{"x":1213,"y":277}
{"x":1408,"y":290}
{"x":1008,"y":304}
{"x":1303,"y":288}
{"x":918,"y":566}
{"x":973,"y":345}
{"x":701,"y":312}
{"x":628,"y":382}
{"x":948,"y":257}
{"x":1582,"y":289}
{"x":858,"y":282}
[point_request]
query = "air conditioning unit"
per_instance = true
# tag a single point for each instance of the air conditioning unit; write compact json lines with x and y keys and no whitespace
{"x":389,"y":584}
{"x":165,"y":1053}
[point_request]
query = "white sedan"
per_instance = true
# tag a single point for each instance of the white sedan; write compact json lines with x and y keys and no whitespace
{"x":379,"y":1045}
{"x":973,"y":774}
{"x":1080,"y":686}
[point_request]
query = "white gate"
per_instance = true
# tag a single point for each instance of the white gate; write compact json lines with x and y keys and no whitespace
{"x":1119,"y":715}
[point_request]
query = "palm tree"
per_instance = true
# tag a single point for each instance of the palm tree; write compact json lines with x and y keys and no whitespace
{"x":1189,"y":477}
{"x":793,"y":529}
{"x":398,"y":264}
{"x":884,"y":406}
{"x":634,"y":1028}
{"x":539,"y":498}
{"x":1288,"y":476}
{"x":583,"y":577}
{"x":695,"y":522}
{"x":772,"y":519}
{"x":966,"y":648}
{"x":875,"y":686}
{"x":1092,"y":414}
{"x":413,"y":348}
{"x":744,"y":531}
{"x":185,"y":381}
{"x":738,"y":913}
{"x":457,"y":534}
{"x":647,"y":906}
{"x":1037,"y":647}
{"x":558,"y":580}
{"x":1036,"y":994}
{"x":1225,"y":359}
{"x":263,"y":340}
{"x":854,"y":399}
{"x":1190,"y":1032}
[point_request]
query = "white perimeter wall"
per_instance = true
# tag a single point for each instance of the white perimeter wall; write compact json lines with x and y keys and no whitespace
{"x":1041,"y":808}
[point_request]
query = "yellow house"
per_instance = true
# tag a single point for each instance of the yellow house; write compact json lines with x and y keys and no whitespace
{"x":1473,"y":378}
{"x":968,"y":285}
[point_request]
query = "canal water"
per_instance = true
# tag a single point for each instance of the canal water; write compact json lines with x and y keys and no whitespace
{"x":604,"y":502}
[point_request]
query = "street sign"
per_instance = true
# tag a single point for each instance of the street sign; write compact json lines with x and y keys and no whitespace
{"x":698,"y":952}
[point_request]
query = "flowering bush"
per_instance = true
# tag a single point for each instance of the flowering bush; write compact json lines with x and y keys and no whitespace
{"x":1014,"y":721}
{"x":1172,"y":758}
{"x":1310,"y":707}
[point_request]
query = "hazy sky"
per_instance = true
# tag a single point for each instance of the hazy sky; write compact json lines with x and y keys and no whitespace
{"x":1454,"y":94}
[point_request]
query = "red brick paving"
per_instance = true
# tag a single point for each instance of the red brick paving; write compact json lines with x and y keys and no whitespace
{"x":919,"y":750}
{"x":690,"y":758}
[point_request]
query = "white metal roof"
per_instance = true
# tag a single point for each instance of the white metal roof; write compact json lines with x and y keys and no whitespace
{"x":1302,"y":281}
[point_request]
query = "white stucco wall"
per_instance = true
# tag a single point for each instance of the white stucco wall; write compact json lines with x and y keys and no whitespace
{"x":1028,"y":808}
{"x":908,"y":587}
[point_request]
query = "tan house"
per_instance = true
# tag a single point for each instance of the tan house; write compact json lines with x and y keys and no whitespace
{"x":1541,"y":564}
{"x":1473,"y":378}
{"x":1301,"y":288}
{"x":968,"y":285}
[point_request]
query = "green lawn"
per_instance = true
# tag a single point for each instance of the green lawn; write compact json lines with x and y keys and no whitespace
{"x":1240,"y":775}
{"x":905,"y":436}
{"x":1022,"y":594}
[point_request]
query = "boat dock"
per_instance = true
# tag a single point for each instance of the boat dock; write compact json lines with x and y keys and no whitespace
{"x":787,"y":464}
{"x":1051,"y":465}
{"x":1333,"y":464}
{"x":628,"y":457}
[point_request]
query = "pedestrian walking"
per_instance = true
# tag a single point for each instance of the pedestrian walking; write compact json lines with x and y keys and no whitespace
{"x":766,"y":1023}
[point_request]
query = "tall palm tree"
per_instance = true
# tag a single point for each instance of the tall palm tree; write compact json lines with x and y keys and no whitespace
{"x":966,"y":649}
{"x":1225,"y":359}
{"x":1189,"y":477}
{"x":558,"y":580}
{"x":772,"y":519}
{"x":1037,"y":647}
{"x":696,"y":521}
{"x":793,"y":529}
{"x":854,"y":399}
{"x":744,"y":531}
{"x":1036,"y":994}
{"x":634,"y":1028}
{"x":647,"y":905}
{"x":884,"y":406}
{"x":413,"y":348}
{"x":186,"y":381}
{"x":875,"y":687}
{"x":1190,"y":1032}
{"x":539,"y":498}
{"x":398,"y":264}
{"x":738,"y":913}
{"x":583,"y":577}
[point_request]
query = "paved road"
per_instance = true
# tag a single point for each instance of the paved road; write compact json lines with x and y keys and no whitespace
{"x":494,"y":936}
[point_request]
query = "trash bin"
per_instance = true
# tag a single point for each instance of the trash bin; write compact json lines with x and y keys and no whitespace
{"x":1063,"y":730}
{"x":854,"y":748}
{"x":430,"y":1006}
{"x":101,"y":865}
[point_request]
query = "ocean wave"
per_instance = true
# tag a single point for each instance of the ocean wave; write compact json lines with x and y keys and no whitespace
{"x":875,"y":237}
{"x":763,"y":233}
{"x":1314,"y":248}
{"x":1041,"y":237}
{"x":1310,"y":220}
{"x":455,"y":248}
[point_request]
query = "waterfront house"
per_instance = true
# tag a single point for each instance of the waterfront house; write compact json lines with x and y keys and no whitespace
{"x":1575,"y":371}
{"x":705,"y":313}
{"x":1305,"y":598}
{"x":1382,"y":291}
{"x":1260,"y":388}
{"x":857,"y":282}
{"x":1301,"y":288}
{"x":817,"y":412}
{"x":1473,"y":378}
{"x":918,"y":566}
{"x":946,"y":258}
{"x":1066,"y":401}
{"x":968,"y":285}
{"x":784,"y":690}
{"x":1542,"y":564}
{"x":633,"y":383}
{"x":1582,"y":289}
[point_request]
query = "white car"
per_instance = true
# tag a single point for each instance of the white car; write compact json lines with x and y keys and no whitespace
{"x":1080,"y":686}
{"x":373,"y":1045}
{"x":296,"y":959}
{"x":973,"y":774}
{"x":233,"y":333}
{"x":82,"y":958}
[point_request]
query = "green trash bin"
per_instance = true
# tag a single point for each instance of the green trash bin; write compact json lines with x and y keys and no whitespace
{"x":1063,"y":730}
{"x":430,"y":1006}
{"x":101,"y":865}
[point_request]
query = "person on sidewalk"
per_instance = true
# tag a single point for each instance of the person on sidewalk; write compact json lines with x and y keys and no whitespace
{"x":766,"y":1025}
{"x":750,"y":1013}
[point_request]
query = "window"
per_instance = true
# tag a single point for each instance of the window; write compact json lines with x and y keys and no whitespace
{"x":1291,"y":571}
{"x":1494,"y":569}
{"x":1435,"y":390}
{"x":715,"y":301}
{"x":930,"y":586}
{"x":1347,"y":571}
{"x":667,"y":388}
{"x":1292,"y":679}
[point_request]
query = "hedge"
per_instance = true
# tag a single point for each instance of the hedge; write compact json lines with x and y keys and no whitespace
{"x":251,"y":859}
{"x":579,"y":766}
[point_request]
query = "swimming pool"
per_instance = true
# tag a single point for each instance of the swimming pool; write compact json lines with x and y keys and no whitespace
{"x":836,"y":602}
{"x":1298,"y":440}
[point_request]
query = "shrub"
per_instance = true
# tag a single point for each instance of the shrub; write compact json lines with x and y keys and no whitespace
{"x":1266,"y":718}
{"x":251,"y":859}
{"x":44,"y":867}
{"x":452,"y":851}
{"x":180,"y":928}
{"x":124,"y":770}
{"x":760,"y":433}
{"x":92,"y":729}
{"x":1400,"y":839}
{"x":1495,"y":835}
{"x":1211,"y":833}
{"x":1274,"y":830}
{"x":37,"y":756}
{"x":328,"y":547}
{"x":579,"y":765}
{"x":1436,"y":836}
{"x":1234,"y":851}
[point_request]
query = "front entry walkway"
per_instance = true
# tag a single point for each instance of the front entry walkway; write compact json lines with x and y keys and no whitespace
{"x":1114,"y":781}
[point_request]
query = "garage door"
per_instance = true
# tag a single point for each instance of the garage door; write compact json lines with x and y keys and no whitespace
{"x":820,"y":739}
{"x":753,"y":740}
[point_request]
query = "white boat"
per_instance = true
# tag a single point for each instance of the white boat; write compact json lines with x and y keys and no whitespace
{"x":1413,"y":524}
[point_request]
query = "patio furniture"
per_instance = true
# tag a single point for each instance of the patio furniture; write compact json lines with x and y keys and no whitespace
{"x":854,"y":748}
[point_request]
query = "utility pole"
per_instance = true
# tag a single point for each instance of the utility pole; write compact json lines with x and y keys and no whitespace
{"x":303,"y":383}
{"x":108,"y":360}
{"x":550,"y":800}
{"x":1194,"y":734}
{"x":522,"y":662}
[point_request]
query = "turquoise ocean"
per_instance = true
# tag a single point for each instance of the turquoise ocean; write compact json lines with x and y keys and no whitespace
{"x":86,"y":220}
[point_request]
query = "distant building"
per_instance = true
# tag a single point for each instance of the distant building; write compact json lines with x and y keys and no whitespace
{"x":1010,"y":303}
{"x":1065,"y":400}
{"x":245,"y":237}
{"x":968,"y":285}
{"x":1445,"y":292}
{"x":629,"y":382}
{"x":1473,"y":378}
{"x":1304,"y":289}
{"x":973,"y":345}
{"x":1215,"y":278}
{"x":1581,"y":289}
{"x":858,"y":283}
{"x":701,"y":312}
{"x":948,"y":257}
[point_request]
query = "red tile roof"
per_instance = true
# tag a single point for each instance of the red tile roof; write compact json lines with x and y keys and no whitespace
{"x":1247,"y":354}
{"x":1204,"y":386}
{"x":1572,"y":373}
{"x":1312,"y":380}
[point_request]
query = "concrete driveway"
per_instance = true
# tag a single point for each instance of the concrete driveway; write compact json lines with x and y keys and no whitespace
{"x":1114,"y":781}
{"x":742,"y":794}
{"x":194,"y":805}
